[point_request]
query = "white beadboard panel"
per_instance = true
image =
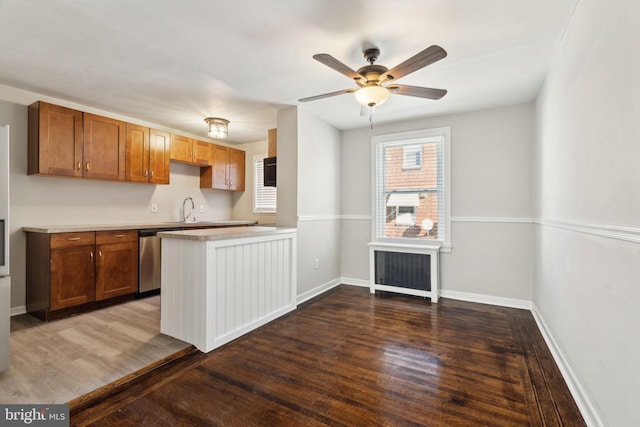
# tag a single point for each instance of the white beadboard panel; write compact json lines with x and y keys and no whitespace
{"x":183,"y":280}
{"x":215,"y":291}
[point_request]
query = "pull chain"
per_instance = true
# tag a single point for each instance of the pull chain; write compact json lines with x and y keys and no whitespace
{"x":371,"y":116}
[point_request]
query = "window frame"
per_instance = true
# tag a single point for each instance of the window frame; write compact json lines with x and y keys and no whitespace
{"x":378,"y":211}
{"x":260,"y":211}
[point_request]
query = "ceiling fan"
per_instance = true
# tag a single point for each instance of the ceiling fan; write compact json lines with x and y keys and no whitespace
{"x":371,"y":78}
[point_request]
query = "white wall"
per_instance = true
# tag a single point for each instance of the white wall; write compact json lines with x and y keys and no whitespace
{"x":309,"y":195}
{"x":242,"y":201}
{"x":318,"y":202}
{"x":491,"y":201}
{"x":587,"y":274}
{"x":39,"y":200}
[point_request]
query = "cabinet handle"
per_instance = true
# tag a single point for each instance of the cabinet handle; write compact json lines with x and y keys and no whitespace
{"x":145,"y":173}
{"x":73,"y":238}
{"x":91,"y":254}
{"x":79,"y":165}
{"x":100,"y":254}
{"x":151,"y":174}
{"x":119,"y":235}
{"x":87,"y":166}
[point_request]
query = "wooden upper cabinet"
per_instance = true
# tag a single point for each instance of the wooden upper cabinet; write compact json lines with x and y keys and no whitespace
{"x":55,"y":140}
{"x":235,"y":169}
{"x":104,"y":147}
{"x":272,"y":144}
{"x":202,"y":153}
{"x":219,"y":166}
{"x":181,"y":148}
{"x":227,"y":169}
{"x":159,"y":154}
{"x":147,"y":155}
{"x":137,"y":153}
{"x":191,"y":151}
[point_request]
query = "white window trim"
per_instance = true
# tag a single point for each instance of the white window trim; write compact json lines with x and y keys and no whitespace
{"x":445,"y":134}
{"x":256,"y":158}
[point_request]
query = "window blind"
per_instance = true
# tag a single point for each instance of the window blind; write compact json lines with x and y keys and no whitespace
{"x":410,"y":187}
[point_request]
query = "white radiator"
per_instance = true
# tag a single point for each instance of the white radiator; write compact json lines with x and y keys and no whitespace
{"x":403,"y":268}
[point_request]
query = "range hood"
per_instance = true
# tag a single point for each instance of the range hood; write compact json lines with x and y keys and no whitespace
{"x":270,"y":163}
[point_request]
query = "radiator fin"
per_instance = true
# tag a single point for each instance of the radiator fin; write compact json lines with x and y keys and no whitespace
{"x":405,"y":270}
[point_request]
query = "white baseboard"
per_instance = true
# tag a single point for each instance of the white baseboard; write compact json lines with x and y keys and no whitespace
{"x":354,"y":282}
{"x":305,"y":296}
{"x":486,"y":299}
{"x":587,"y":409}
{"x":21,"y":309}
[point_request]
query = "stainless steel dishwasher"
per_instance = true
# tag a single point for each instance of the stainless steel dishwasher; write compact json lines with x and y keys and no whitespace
{"x":150,"y":252}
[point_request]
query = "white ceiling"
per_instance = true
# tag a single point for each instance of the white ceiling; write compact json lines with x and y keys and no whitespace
{"x":176,"y":62}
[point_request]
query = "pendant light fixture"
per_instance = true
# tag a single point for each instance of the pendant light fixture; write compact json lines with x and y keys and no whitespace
{"x":218,"y":128}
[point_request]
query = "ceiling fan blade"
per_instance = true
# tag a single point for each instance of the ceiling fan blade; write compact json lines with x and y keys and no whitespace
{"x":327,"y":95}
{"x":332,"y":62}
{"x":420,"y":92}
{"x":426,"y":57}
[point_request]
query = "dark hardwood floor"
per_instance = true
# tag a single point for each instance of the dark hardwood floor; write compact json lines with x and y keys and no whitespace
{"x":350,"y":358}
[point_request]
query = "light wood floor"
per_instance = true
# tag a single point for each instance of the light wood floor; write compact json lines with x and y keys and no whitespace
{"x":353,"y":359}
{"x":58,"y":361}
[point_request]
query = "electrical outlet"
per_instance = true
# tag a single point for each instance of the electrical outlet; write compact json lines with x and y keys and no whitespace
{"x":201,"y":208}
{"x":316,"y":264}
{"x":154,"y":208}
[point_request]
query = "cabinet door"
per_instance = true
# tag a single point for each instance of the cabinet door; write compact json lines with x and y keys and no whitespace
{"x":55,"y":140}
{"x":116,"y":269}
{"x":104,"y":147}
{"x":72,"y":276}
{"x":236,"y":169}
{"x":219,"y":167}
{"x":159,"y":152}
{"x":202,"y":153}
{"x":137,"y":153}
{"x":181,"y":148}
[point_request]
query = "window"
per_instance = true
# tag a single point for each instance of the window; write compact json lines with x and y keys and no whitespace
{"x":411,"y":198}
{"x":412,"y":157}
{"x":264,"y":198}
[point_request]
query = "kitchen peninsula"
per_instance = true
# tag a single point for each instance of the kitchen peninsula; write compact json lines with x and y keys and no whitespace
{"x":218,"y":284}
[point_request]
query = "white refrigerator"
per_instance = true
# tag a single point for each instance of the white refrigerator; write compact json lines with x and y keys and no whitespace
{"x":5,"y":278}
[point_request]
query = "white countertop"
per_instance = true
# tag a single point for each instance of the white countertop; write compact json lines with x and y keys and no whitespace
{"x":224,"y":233}
{"x":139,"y":226}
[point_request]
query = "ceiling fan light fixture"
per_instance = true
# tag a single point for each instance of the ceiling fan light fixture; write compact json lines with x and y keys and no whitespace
{"x":218,"y":128}
{"x":370,"y":96}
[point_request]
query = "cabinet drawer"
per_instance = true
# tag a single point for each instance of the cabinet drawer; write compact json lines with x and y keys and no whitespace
{"x":67,"y":240}
{"x":116,"y":236}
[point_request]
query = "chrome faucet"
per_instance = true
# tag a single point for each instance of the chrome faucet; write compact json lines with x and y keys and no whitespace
{"x":186,"y":215}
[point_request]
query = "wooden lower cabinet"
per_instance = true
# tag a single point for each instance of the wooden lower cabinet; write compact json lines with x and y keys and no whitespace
{"x":116,"y":270}
{"x":71,"y":272}
{"x":72,"y":276}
